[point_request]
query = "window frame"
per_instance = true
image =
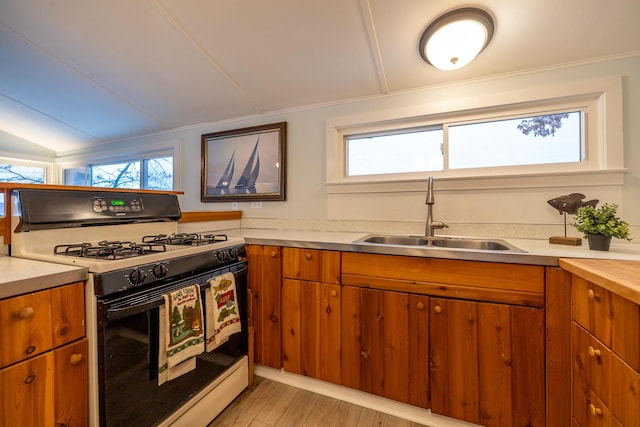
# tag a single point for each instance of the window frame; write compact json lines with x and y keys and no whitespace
{"x":600,"y":99}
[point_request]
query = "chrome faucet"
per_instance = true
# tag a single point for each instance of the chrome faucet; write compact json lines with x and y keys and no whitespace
{"x":431,"y":224}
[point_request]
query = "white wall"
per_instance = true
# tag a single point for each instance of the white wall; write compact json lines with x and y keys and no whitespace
{"x":307,"y":200}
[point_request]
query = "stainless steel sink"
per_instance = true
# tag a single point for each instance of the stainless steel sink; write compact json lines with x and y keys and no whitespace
{"x":440,"y":242}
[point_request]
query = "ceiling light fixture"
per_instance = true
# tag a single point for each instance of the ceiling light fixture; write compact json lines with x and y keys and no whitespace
{"x":454,"y":39}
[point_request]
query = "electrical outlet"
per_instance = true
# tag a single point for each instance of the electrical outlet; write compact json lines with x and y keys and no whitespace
{"x":234,"y":206}
{"x":256,"y":205}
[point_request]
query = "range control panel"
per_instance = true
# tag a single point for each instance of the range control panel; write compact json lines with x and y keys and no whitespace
{"x":117,"y":205}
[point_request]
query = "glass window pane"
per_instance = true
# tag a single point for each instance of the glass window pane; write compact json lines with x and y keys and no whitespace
{"x":552,"y":138}
{"x":117,"y":175}
{"x":159,"y":172}
{"x":405,"y":152}
{"x":22,"y":174}
{"x":75,"y":176}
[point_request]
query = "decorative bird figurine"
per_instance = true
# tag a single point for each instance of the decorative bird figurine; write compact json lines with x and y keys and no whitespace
{"x":569,"y":204}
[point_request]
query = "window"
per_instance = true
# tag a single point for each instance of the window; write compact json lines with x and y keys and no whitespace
{"x":549,"y":138}
{"x":572,"y":130}
{"x":152,"y":173}
{"x":20,"y":173}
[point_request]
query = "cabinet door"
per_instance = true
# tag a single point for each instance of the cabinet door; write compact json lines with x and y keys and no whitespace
{"x":70,"y":376}
{"x":26,"y":393}
{"x":25,"y":326}
{"x":487,"y":362}
{"x":311,"y":264}
{"x":67,"y":313}
{"x":311,"y":329}
{"x":419,"y":350}
{"x":265,"y":283}
{"x":362,"y":339}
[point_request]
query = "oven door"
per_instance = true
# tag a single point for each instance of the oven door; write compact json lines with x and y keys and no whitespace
{"x":128,"y":355}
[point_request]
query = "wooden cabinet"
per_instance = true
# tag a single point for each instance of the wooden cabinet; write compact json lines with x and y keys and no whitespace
{"x":43,"y":358}
{"x":311,"y":313}
{"x":487,"y":362}
{"x":605,"y":340}
{"x":385,"y":343}
{"x":264,"y":279}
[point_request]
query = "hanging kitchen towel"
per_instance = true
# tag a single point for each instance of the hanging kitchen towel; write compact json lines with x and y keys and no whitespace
{"x":223,"y":314}
{"x":181,"y":333}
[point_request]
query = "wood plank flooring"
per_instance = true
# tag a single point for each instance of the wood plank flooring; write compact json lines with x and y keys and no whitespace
{"x":272,"y":404}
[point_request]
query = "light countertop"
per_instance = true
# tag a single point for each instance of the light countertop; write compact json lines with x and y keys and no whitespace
{"x":21,"y":276}
{"x":536,"y":251}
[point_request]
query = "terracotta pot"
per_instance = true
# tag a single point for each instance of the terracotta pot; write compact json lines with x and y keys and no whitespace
{"x":599,"y":242}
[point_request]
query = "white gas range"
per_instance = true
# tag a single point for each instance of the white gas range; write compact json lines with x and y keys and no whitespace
{"x":130,"y":244}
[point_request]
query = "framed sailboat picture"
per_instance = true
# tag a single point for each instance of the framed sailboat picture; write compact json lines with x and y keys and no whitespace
{"x":244,"y":164}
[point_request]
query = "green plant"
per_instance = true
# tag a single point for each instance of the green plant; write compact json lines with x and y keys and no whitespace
{"x":602,"y":220}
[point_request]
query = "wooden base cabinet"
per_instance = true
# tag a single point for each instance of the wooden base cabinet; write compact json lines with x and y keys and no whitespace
{"x":265,"y":277}
{"x":486,"y":362}
{"x":385,"y":344}
{"x":605,"y":339}
{"x":43,"y":359}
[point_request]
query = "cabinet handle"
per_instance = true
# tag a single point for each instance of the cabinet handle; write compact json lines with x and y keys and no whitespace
{"x":26,"y":312}
{"x":273,"y":254}
{"x":307,"y":256}
{"x":76,"y":358}
{"x":592,"y":295}
{"x":364,"y":355}
{"x":594,"y":410}
{"x":420,"y":306}
{"x":437,"y":309}
{"x":593,"y":352}
{"x":334,"y":293}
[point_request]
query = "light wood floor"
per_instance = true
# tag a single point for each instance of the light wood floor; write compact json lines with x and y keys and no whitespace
{"x":271,"y":404}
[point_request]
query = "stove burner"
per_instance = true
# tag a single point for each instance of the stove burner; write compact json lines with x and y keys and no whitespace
{"x":109,"y":250}
{"x":185,"y":239}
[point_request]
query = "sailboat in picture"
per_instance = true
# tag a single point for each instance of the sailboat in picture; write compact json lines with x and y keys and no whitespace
{"x":227,"y":175}
{"x":251,"y":170}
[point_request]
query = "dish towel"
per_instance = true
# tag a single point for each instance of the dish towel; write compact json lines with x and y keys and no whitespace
{"x":181,"y":333}
{"x":223,"y":314}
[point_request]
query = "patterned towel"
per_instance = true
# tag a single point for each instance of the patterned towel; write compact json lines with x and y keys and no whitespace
{"x":223,"y":313}
{"x":181,"y":333}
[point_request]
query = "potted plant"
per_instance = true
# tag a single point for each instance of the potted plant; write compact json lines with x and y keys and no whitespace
{"x":599,"y":225}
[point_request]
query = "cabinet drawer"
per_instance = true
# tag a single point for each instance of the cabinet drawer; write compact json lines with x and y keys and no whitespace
{"x":67,"y":313}
{"x":592,"y":362}
{"x":311,"y":265}
{"x":25,"y":326}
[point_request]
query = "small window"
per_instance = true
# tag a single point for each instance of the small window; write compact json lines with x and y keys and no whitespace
{"x":406,"y":151}
{"x":153,"y":173}
{"x":532,"y":140}
{"x":23,"y":174}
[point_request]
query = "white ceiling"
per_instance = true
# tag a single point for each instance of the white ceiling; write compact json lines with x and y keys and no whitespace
{"x":77,"y":73}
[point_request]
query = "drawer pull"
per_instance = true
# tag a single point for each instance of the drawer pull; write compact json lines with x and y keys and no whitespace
{"x":437,"y":309}
{"x":307,"y":256}
{"x":594,"y":410}
{"x":592,"y":295}
{"x":420,"y":306}
{"x":273,"y":254}
{"x":334,"y":293}
{"x":30,"y":349}
{"x":593,"y":352}
{"x":76,"y":358}
{"x":26,"y":312}
{"x":31,"y":378}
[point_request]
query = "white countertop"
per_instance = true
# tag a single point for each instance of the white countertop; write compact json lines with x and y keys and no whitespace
{"x":21,"y":276}
{"x":537,"y":251}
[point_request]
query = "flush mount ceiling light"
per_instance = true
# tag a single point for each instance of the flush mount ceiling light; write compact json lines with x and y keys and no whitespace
{"x":454,"y":39}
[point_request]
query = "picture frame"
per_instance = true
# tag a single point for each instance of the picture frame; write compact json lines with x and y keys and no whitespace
{"x":247,"y":164}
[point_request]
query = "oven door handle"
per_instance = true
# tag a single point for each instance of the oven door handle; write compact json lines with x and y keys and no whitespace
{"x":154,"y":301}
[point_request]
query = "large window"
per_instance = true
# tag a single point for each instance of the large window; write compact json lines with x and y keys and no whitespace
{"x":152,"y":173}
{"x":538,"y":134}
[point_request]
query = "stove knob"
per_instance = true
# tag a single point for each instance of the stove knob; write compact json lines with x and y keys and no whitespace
{"x":233,"y":253}
{"x":160,"y":271}
{"x":220,"y":256}
{"x":137,"y":276}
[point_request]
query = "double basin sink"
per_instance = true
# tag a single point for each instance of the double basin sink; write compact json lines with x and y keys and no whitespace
{"x":440,"y":242}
